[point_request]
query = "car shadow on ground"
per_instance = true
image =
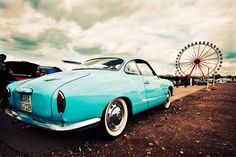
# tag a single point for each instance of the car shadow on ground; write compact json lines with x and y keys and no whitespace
{"x":32,"y":140}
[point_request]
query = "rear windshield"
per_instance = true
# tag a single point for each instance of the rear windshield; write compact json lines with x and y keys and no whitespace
{"x":102,"y":63}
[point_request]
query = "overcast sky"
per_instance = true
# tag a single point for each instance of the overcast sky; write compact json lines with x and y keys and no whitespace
{"x":47,"y":31}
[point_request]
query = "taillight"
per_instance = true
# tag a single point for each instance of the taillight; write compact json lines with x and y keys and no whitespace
{"x":61,"y":102}
{"x":7,"y":93}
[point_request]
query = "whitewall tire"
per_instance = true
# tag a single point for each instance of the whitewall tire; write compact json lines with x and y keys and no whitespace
{"x":115,"y":117}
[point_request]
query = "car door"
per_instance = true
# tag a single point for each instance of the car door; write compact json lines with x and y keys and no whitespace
{"x":152,"y":83}
{"x":135,"y":82}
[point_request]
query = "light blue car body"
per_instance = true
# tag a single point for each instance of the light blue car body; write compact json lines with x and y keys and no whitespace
{"x":87,"y":93}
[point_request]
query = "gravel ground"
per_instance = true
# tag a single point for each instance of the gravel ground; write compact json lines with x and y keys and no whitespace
{"x":6,"y":151}
{"x":201,"y":124}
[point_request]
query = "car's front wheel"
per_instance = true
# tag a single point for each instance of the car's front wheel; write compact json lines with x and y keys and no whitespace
{"x":115,"y":118}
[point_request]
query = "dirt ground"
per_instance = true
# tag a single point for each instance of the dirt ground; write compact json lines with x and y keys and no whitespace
{"x":201,"y":124}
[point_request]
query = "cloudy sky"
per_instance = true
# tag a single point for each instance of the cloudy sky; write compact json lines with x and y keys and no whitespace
{"x":47,"y":31}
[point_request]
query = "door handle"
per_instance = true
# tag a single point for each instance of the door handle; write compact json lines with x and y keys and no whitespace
{"x":146,"y":82}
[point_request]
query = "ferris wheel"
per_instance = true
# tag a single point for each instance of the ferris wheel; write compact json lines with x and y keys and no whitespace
{"x":199,"y":59}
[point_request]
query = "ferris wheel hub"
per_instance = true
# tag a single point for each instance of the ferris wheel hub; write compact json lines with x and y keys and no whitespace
{"x":197,"y":61}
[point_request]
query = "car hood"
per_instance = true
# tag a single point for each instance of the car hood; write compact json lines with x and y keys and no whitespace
{"x":54,"y":81}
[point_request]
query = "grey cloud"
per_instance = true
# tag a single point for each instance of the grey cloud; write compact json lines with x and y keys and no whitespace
{"x":54,"y":38}
{"x":106,"y":9}
{"x":20,"y":42}
{"x":89,"y":51}
{"x":24,"y":41}
{"x":2,"y":39}
{"x":230,"y":55}
{"x":49,"y":8}
{"x":82,"y":14}
{"x":35,"y":3}
{"x":12,"y":8}
{"x":2,"y":5}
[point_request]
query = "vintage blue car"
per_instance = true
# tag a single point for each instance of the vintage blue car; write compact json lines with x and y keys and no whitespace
{"x":104,"y":91}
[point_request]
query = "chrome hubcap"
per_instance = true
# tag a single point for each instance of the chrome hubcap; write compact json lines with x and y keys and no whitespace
{"x":115,"y":116}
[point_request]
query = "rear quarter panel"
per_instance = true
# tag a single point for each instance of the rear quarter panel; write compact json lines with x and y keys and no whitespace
{"x":87,"y":97}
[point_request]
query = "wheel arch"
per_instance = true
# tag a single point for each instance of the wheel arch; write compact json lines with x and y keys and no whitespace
{"x":129,"y":105}
{"x":171,"y":90}
{"x":127,"y":101}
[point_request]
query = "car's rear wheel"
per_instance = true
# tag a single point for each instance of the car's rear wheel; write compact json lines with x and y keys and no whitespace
{"x":115,"y":118}
{"x":166,"y":105}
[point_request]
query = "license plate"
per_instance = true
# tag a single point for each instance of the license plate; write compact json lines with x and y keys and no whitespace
{"x":26,"y":103}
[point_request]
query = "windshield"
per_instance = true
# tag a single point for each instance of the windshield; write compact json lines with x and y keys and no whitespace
{"x":102,"y":63}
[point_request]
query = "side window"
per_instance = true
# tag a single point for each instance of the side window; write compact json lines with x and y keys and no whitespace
{"x":145,"y":69}
{"x":131,"y":68}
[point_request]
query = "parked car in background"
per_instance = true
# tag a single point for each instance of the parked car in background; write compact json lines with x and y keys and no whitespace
{"x":22,"y":70}
{"x":210,"y":80}
{"x":25,"y":70}
{"x":221,"y":80}
{"x":202,"y":82}
{"x":102,"y":91}
{"x":45,"y":70}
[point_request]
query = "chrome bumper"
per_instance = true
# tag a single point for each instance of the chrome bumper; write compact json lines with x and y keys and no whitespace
{"x":55,"y":127}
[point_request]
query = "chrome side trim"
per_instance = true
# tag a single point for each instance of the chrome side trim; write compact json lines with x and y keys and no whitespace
{"x":54,"y":127}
